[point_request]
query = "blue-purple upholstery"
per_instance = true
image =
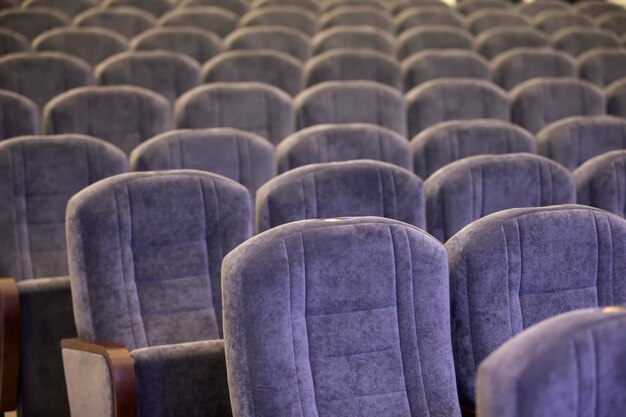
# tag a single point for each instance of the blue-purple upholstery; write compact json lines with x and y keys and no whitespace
{"x":212,"y":19}
{"x":194,"y":42}
{"x":427,"y":37}
{"x":517,"y":65}
{"x":19,"y":115}
{"x":127,"y":21}
{"x":292,"y":42}
{"x":601,"y":182}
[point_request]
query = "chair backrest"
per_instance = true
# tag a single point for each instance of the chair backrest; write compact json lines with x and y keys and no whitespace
{"x":447,"y":142}
{"x":339,"y":189}
{"x":93,"y":45}
{"x":576,"y":41}
{"x":154,"y":7}
{"x":123,"y":115}
{"x":351,"y":102}
{"x":356,"y":16}
{"x":512,"y":269}
{"x":353,"y":65}
{"x":446,"y":99}
{"x":311,"y":5}
{"x":292,"y":42}
{"x":483,"y":20}
{"x":493,"y":42}
{"x":335,"y":143}
{"x":372,"y":287}
{"x":331,"y":5}
{"x":468,"y":7}
{"x":31,"y":23}
{"x":12,"y":42}
{"x":574,"y":348}
{"x":601,"y":182}
{"x":127,"y":21}
{"x":432,"y":37}
{"x":353,"y":37}
{"x":153,"y":242}
{"x":236,"y":154}
{"x":537,"y":7}
{"x":537,"y":103}
{"x":398,"y":7}
{"x":602,"y":66}
{"x":513,"y":67}
{"x":574,"y":140}
{"x":616,"y":98}
{"x":281,"y":16}
{"x":263,"y":66}
{"x":452,"y":63}
{"x":613,"y":21}
{"x":255,"y":107}
{"x":212,"y":19}
{"x":38,"y":175}
{"x":196,"y":43}
{"x":553,"y":21}
{"x":19,"y":115}
{"x":69,"y":7}
{"x":422,"y":16}
{"x":169,"y":74}
{"x":238,"y":7}
{"x":596,"y":8}
{"x":44,"y":75}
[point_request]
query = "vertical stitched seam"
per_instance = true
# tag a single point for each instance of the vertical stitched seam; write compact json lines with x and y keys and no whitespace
{"x":595,"y":226}
{"x":508,"y":274}
{"x":314,"y":195}
{"x":521,"y":268}
{"x":469,"y":316}
{"x":612,"y":259}
{"x":578,"y":376}
{"x":594,"y":368}
{"x":382,"y":192}
{"x":26,"y":223}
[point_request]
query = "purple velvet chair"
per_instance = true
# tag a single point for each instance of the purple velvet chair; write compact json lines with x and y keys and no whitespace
{"x":194,"y":42}
{"x":20,"y":115}
{"x":601,"y":182}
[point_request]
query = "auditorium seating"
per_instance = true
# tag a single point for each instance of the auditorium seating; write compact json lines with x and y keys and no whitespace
{"x":432,"y":37}
{"x":145,"y":252}
{"x":512,"y":269}
{"x":123,"y":115}
{"x":212,"y":19}
{"x":480,"y":21}
{"x":553,"y":21}
{"x":239,"y":7}
{"x":351,"y":341}
{"x":356,"y":16}
{"x":32,"y":22}
{"x":470,"y":6}
{"x":613,"y":21}
{"x":154,"y":7}
{"x":289,"y":41}
{"x":616,"y":98}
{"x":38,"y":174}
{"x":535,"y":8}
{"x":127,"y":21}
{"x":493,"y":42}
{"x":575,"y":348}
{"x":421,"y":16}
{"x":600,"y":182}
{"x":342,"y":142}
{"x":450,"y":141}
{"x":284,"y":16}
{"x":194,"y":42}
{"x":69,"y":7}
{"x":19,"y":116}
{"x":574,"y":140}
{"x":310,"y":5}
{"x":452,"y":63}
{"x":596,"y":8}
{"x":254,"y":107}
{"x":513,"y":67}
{"x":398,"y":7}
{"x":331,"y":5}
{"x":602,"y":66}
{"x":11,"y":42}
{"x":576,"y":41}
{"x":357,"y":37}
{"x":236,"y":154}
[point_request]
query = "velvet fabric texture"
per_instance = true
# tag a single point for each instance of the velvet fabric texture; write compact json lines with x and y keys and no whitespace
{"x":127,"y":21}
{"x":122,"y":115}
{"x":285,"y":16}
{"x":432,"y":37}
{"x":515,"y":268}
{"x":262,"y":66}
{"x":331,"y":5}
{"x":239,"y":7}
{"x":45,"y":319}
{"x":31,"y":23}
{"x":613,"y":21}
{"x":421,"y":16}
{"x":513,"y":67}
{"x":601,"y":182}
{"x":552,"y":21}
{"x":69,"y":7}
{"x":616,"y":98}
{"x":576,"y":41}
{"x":356,"y":16}
{"x":255,"y":107}
{"x":574,"y":140}
{"x":310,"y":5}
{"x":38,"y":175}
{"x":353,"y":65}
{"x":429,"y":65}
{"x":450,"y":141}
{"x":493,"y":42}
{"x":292,"y":42}
{"x":339,"y":317}
{"x":473,"y":187}
{"x":351,"y":102}
{"x":602,"y":66}
{"x":537,"y":7}
{"x":563,"y":366}
{"x":169,"y":74}
{"x":338,"y":189}
{"x":12,"y":42}
{"x":93,"y":45}
{"x":342,"y":142}
{"x":212,"y":19}
{"x":402,"y":5}
{"x":44,"y":75}
{"x":486,"y":19}
{"x":468,"y":7}
{"x":155,"y":7}
{"x":145,"y":252}
{"x":537,"y":103}
{"x":19,"y":115}
{"x":193,"y":42}
{"x":446,"y":99}
{"x":353,"y":38}
{"x":236,"y":154}
{"x":597,"y":8}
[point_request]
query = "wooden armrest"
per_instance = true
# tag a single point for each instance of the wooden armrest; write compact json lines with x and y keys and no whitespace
{"x":121,"y":370}
{"x":468,"y":410}
{"x":10,"y":343}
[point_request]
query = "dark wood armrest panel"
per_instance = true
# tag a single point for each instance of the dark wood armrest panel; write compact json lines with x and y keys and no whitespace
{"x":10,"y":343}
{"x":468,"y":411}
{"x":120,"y":368}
